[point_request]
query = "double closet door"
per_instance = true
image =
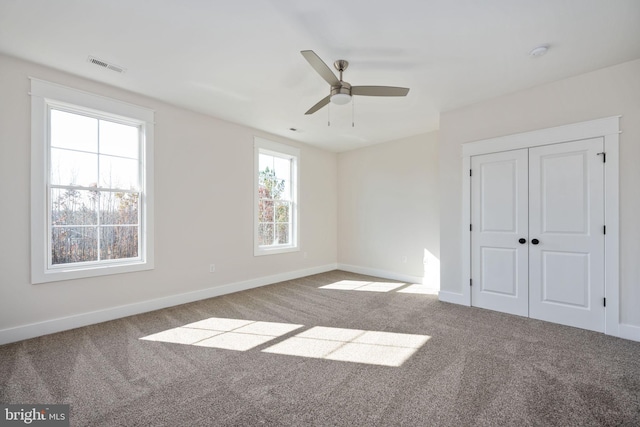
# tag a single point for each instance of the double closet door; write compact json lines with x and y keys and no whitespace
{"x":537,"y":237}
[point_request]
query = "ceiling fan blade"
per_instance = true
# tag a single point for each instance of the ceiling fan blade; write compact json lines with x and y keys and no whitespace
{"x":320,"y":67}
{"x":324,"y":101}
{"x":379,"y":91}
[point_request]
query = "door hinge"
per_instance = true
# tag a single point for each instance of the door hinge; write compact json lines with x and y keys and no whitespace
{"x":604,"y":157}
{"x":470,"y":282}
{"x":470,"y":173}
{"x":604,"y":302}
{"x":604,"y":229}
{"x":470,"y":227}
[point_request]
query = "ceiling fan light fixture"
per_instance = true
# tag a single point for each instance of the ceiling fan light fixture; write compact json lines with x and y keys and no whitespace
{"x":341,"y":94}
{"x":340,"y":98}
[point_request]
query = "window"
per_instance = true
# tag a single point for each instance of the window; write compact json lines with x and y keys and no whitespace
{"x":91,"y":189}
{"x":276,"y":198}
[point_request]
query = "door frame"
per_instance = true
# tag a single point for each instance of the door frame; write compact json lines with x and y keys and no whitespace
{"x":607,"y":128}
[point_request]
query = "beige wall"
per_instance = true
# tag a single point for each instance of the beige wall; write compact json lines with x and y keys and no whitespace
{"x":203,"y":208}
{"x":388,"y":208}
{"x":603,"y":93}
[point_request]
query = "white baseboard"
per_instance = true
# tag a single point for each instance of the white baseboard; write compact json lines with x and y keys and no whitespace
{"x":453,"y":298}
{"x":381,"y":273}
{"x":20,"y":333}
{"x":629,"y":332}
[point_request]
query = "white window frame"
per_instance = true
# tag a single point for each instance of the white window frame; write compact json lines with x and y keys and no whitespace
{"x":44,"y":96}
{"x":285,"y":151}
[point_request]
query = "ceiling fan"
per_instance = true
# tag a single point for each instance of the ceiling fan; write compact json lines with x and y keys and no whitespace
{"x":341,"y":91}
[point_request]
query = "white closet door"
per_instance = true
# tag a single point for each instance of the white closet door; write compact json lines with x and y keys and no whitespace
{"x":566,"y":240}
{"x":499,"y":191}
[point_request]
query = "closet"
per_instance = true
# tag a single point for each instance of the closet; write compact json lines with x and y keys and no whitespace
{"x":537,"y":232}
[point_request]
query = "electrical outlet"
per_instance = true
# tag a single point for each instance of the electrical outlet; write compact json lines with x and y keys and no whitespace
{"x":212,"y":268}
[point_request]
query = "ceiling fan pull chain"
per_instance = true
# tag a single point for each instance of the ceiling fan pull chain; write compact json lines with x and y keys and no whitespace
{"x":328,"y":115}
{"x":353,"y":112}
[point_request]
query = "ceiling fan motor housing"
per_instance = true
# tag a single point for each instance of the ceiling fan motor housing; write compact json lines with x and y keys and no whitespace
{"x":344,"y":88}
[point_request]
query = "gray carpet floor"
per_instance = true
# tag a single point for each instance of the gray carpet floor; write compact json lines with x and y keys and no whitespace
{"x":479,"y":368}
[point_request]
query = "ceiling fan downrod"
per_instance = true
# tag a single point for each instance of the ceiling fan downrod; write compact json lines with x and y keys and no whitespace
{"x":341,"y":65}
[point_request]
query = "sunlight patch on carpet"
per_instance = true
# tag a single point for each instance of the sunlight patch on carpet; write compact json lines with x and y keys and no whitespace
{"x":351,"y":345}
{"x":228,"y":334}
{"x":361,"y":285}
{"x":318,"y":342}
{"x":181,"y":335}
{"x":418,"y":289}
{"x":358,"y":285}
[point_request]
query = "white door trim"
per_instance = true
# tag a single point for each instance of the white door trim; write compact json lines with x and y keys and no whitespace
{"x":607,"y":128}
{"x":555,"y":135}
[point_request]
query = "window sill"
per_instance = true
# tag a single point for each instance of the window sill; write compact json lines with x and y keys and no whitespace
{"x":275,"y":250}
{"x":59,"y":274}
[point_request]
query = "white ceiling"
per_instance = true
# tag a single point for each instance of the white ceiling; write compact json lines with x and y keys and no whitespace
{"x":240,"y":60}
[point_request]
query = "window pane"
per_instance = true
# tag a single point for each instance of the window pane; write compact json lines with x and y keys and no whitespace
{"x":285,"y":194}
{"x":265,"y":211}
{"x":74,"y":131}
{"x":265,"y":161}
{"x":263,"y":191}
{"x":118,"y":139}
{"x":116,"y":172}
{"x":269,"y":186}
{"x":74,"y":207}
{"x":282,"y":211}
{"x":277,"y":188}
{"x":73,"y":244}
{"x":73,"y":168}
{"x":119,"y":208}
{"x":118,"y":242}
{"x":283,"y":233}
{"x":265,"y":234}
{"x":283,"y":168}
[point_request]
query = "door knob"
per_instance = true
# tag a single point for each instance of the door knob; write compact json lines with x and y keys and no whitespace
{"x":522,"y":241}
{"x":535,"y":241}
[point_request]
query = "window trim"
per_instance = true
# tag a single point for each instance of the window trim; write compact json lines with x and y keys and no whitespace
{"x":43,"y":96}
{"x":262,"y":145}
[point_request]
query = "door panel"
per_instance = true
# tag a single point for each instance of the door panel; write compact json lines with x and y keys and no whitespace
{"x":566,"y":215}
{"x":499,"y":217}
{"x":564,"y":207}
{"x":498,"y":183}
{"x":498,"y":266}
{"x":563,"y":278}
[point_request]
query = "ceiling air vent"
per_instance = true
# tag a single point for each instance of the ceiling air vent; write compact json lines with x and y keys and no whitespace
{"x":105,"y":64}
